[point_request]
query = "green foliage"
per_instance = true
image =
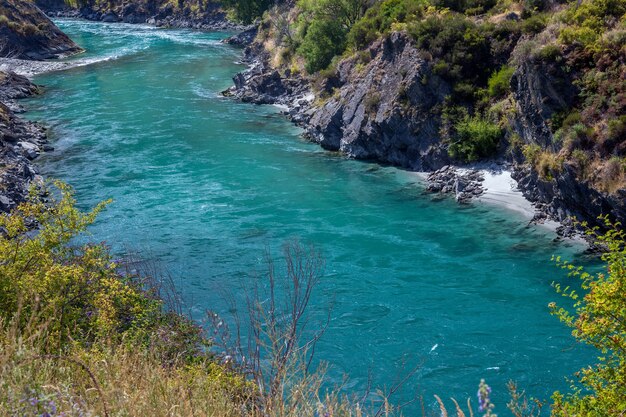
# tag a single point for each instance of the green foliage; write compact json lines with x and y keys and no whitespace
{"x":247,"y":11}
{"x":476,"y":138}
{"x":588,"y":20}
{"x":499,"y":83}
{"x":381,"y":17}
{"x":470,"y":7}
{"x":599,"y":320}
{"x":323,"y":40}
{"x":78,"y":284}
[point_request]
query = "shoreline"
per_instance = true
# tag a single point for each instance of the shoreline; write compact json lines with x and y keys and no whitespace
{"x":497,"y":185}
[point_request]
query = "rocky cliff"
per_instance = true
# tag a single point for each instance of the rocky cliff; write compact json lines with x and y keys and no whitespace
{"x":542,"y":90}
{"x":20,"y":142}
{"x":26,"y":33}
{"x":384,"y":104}
{"x":382,"y":107}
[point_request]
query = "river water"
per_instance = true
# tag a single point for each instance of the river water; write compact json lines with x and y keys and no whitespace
{"x":205,"y":184}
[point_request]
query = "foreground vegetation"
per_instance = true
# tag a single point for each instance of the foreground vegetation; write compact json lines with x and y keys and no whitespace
{"x":81,"y":335}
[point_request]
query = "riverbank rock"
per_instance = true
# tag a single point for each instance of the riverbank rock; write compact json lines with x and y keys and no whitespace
{"x":464,"y":184}
{"x":20,"y":142}
{"x":381,"y":107}
{"x":27,"y":33}
{"x":565,"y":196}
{"x":244,"y":38}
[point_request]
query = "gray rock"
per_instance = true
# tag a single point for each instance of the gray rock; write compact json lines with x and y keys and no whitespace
{"x":383,"y":110}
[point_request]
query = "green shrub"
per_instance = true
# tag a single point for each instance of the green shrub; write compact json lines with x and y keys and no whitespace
{"x":247,"y":11}
{"x":380,"y":18}
{"x":617,"y":128}
{"x":475,"y":138}
{"x":323,"y":40}
{"x":534,"y":24}
{"x":499,"y":83}
{"x":79,"y":285}
{"x":549,"y":53}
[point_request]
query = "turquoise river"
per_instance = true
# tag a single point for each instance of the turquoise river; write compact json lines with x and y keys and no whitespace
{"x":205,"y":184}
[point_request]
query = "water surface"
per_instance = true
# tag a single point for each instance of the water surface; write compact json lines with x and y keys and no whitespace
{"x":205,"y":184}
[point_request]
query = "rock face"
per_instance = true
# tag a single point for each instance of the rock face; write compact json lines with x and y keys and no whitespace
{"x":26,"y":33}
{"x":20,"y":142}
{"x":244,"y":38}
{"x":566,"y":197}
{"x":540,"y":90}
{"x":464,"y":184}
{"x":381,"y":108}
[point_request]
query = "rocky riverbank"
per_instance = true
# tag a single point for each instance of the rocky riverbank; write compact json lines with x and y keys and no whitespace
{"x":21,"y":142}
{"x":379,"y":106}
{"x":200,"y":15}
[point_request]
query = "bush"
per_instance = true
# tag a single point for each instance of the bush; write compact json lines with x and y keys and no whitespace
{"x":599,"y":320}
{"x":247,"y":11}
{"x":323,"y":40}
{"x":499,"y":83}
{"x":380,"y":18}
{"x":475,"y":138}
{"x":79,"y":285}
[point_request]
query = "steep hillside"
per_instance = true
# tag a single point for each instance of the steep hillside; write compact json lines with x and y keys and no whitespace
{"x":26,"y":33}
{"x":420,"y":84}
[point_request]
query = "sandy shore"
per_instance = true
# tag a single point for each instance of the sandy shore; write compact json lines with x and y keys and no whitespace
{"x":501,"y":189}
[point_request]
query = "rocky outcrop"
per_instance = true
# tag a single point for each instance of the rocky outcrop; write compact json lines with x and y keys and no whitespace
{"x":244,"y":38}
{"x":566,"y":197}
{"x":540,"y":89}
{"x":382,"y":108}
{"x":464,"y":184}
{"x":195,"y":14}
{"x":20,"y":142}
{"x":27,"y":33}
{"x":381,"y":105}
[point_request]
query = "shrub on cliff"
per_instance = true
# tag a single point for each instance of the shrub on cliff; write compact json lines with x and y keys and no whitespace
{"x":499,"y":83}
{"x":475,"y":138}
{"x":247,"y":11}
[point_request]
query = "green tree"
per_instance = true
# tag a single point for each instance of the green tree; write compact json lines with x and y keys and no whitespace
{"x":323,"y":40}
{"x":247,"y":10}
{"x":598,"y":319}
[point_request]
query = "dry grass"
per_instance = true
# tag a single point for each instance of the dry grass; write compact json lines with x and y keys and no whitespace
{"x":114,"y":381}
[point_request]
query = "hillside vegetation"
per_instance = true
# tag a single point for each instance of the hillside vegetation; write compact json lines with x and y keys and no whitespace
{"x":573,"y":51}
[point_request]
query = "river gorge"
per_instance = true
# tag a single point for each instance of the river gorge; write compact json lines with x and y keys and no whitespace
{"x":205,"y":184}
